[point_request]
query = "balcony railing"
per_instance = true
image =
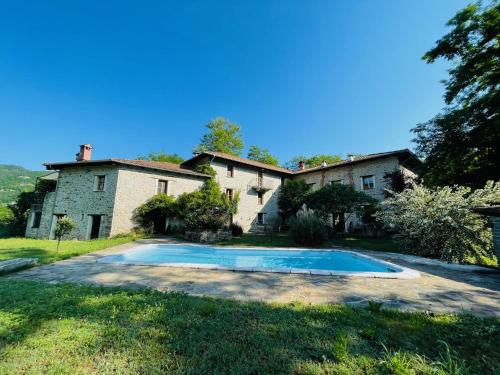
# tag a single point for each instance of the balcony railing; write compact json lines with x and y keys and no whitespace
{"x":260,"y":184}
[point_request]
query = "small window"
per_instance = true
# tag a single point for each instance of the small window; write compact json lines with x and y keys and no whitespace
{"x":333,"y":182}
{"x":260,"y":178}
{"x":260,"y":197}
{"x":162,"y":187}
{"x":229,"y":193}
{"x":260,"y":218}
{"x":36,"y":220}
{"x":311,"y":185}
{"x":100,"y":183}
{"x":230,"y":171}
{"x":367,"y":182}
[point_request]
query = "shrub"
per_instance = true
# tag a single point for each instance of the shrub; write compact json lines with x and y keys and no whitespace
{"x":236,"y":230}
{"x":206,"y":208}
{"x":152,"y":215}
{"x":440,"y":223}
{"x":308,"y":228}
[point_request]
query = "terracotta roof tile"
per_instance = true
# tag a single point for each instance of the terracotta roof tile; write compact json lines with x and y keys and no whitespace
{"x":158,"y":165}
{"x":241,"y":160}
{"x":358,"y":159}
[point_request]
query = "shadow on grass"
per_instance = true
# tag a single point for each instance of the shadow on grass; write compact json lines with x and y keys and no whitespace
{"x":102,"y":330}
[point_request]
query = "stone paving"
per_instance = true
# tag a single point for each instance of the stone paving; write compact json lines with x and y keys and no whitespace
{"x":441,"y":288}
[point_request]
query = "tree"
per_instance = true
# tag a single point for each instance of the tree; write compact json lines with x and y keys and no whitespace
{"x":206,"y":169}
{"x":261,"y":154}
{"x":396,"y":182}
{"x":461,"y":144}
{"x":154,"y":213}
{"x":207,"y":208}
{"x":336,"y":199}
{"x":162,"y":156}
{"x":223,"y":136}
{"x":440,"y":222}
{"x":6,"y":220}
{"x":292,"y":196}
{"x":63,"y":227}
{"x":312,"y":161}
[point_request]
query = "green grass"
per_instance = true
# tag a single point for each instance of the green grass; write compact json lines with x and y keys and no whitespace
{"x":71,"y":329}
{"x":284,"y":240}
{"x":46,"y":252}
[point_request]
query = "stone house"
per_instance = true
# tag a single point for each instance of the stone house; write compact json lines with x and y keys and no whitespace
{"x":101,"y":195}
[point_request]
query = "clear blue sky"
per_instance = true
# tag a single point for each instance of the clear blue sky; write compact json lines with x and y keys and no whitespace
{"x":300,"y":77}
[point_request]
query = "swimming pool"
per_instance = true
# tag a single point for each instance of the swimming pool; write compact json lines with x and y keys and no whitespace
{"x":283,"y":260}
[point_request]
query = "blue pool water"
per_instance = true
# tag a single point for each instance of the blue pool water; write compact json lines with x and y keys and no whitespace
{"x":248,"y":258}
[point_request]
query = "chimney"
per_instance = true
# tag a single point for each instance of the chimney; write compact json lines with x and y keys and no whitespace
{"x":85,"y":153}
{"x":350,"y":157}
{"x":302,"y":166}
{"x":324,"y":164}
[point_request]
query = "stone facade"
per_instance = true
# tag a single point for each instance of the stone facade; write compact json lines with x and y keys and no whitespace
{"x":136,"y":186}
{"x":79,"y":196}
{"x":353,"y":174}
{"x":249,"y":206}
{"x":46,"y":211}
{"x":125,"y":189}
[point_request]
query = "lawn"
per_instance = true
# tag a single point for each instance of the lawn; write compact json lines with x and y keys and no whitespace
{"x":284,"y":240}
{"x":81,"y":329}
{"x":46,"y":252}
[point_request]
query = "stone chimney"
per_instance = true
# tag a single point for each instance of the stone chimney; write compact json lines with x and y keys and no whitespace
{"x":350,"y":157}
{"x":85,"y":153}
{"x":302,"y":165}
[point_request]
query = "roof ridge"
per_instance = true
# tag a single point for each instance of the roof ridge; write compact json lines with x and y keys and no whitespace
{"x":243,"y":160}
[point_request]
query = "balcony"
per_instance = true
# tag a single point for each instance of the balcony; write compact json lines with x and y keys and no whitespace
{"x":261,"y":185}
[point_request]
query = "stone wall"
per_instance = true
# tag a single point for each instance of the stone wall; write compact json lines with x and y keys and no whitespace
{"x":248,"y":206}
{"x":43,"y":231}
{"x":76,"y":197}
{"x":207,"y":236}
{"x":136,"y":186}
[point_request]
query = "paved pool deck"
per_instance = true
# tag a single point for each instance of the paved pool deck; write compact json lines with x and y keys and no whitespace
{"x":441,"y":287}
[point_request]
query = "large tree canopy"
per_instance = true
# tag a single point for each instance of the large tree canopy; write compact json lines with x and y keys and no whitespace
{"x":312,"y":161}
{"x":162,"y":156}
{"x":223,"y":136}
{"x":292,"y":196}
{"x":262,"y":154}
{"x":461,"y":144}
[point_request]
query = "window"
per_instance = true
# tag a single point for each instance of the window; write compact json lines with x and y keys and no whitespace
{"x":367,"y":182}
{"x":311,"y":185}
{"x":260,"y":218}
{"x":162,"y":187}
{"x":229,"y":193}
{"x":260,"y":178}
{"x":230,"y":171}
{"x":100,"y":183}
{"x":333,"y":182}
{"x":36,"y":220}
{"x":260,"y":197}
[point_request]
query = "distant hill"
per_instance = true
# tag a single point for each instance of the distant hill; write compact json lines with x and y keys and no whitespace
{"x":15,"y":179}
